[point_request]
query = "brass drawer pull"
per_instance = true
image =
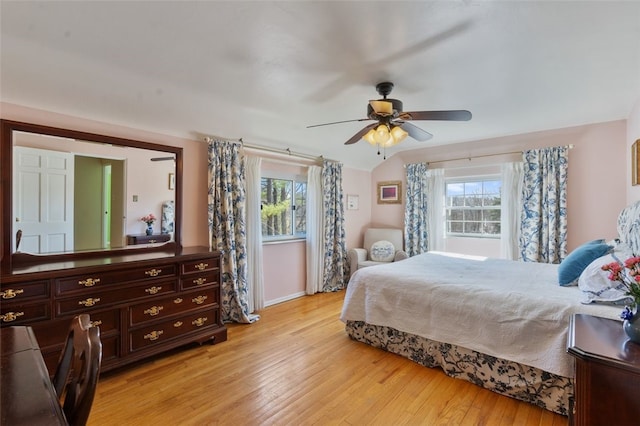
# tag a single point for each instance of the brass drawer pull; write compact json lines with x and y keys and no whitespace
{"x":201,"y":266}
{"x":153,"y":290}
{"x":152,"y":241}
{"x":95,"y":323}
{"x":177,"y":300}
{"x":154,"y":335}
{"x":178,"y":324}
{"x":10,"y":293}
{"x":153,"y":311}
{"x":153,"y":272}
{"x":199,"y":322}
{"x":199,"y":300}
{"x":89,"y":302}
{"x":11,"y":316}
{"x":89,"y":282}
{"x":199,"y":281}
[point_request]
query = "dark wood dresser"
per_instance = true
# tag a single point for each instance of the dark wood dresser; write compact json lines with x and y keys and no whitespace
{"x":144,"y":303}
{"x":147,"y":239}
{"x":607,"y":373}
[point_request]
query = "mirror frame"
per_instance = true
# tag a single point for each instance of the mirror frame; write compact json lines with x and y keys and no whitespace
{"x":9,"y":259}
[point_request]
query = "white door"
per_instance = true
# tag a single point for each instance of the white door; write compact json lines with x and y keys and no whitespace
{"x":46,"y":220}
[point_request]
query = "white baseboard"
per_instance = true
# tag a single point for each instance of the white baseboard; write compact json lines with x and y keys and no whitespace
{"x":283,"y":299}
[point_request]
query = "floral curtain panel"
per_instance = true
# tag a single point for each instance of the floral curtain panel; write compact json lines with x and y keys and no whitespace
{"x":227,"y":229}
{"x":335,"y":270}
{"x":415,"y":213}
{"x":543,"y":228}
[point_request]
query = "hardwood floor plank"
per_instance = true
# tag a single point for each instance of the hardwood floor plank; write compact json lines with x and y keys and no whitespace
{"x":297,"y":366}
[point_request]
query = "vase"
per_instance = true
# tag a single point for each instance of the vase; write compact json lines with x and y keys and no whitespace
{"x":632,"y":328}
{"x":149,"y":230}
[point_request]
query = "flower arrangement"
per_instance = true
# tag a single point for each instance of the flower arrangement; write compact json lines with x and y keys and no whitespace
{"x":629,"y":275}
{"x":148,"y":219}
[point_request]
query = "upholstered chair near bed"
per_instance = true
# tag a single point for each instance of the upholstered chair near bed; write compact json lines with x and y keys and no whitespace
{"x":381,"y":245}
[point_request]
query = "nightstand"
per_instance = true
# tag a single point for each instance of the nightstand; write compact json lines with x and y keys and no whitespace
{"x":607,"y":372}
{"x":147,"y":239}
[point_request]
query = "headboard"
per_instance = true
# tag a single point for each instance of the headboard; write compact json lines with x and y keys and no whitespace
{"x":629,"y":226}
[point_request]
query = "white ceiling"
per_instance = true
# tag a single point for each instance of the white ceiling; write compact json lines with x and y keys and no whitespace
{"x":264,"y":71}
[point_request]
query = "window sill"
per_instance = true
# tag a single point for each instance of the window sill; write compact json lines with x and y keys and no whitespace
{"x":284,"y":241}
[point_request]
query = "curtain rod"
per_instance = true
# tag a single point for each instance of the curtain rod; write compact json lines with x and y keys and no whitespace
{"x":284,"y":151}
{"x":483,"y":156}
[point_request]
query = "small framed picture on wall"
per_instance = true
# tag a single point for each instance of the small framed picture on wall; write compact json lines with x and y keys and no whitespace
{"x":635,"y":163}
{"x":352,"y":202}
{"x":390,"y":192}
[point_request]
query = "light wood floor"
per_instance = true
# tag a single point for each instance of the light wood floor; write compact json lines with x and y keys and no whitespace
{"x":296,"y":366}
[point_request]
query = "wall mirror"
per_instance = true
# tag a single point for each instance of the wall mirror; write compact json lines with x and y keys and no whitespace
{"x":69,"y":194}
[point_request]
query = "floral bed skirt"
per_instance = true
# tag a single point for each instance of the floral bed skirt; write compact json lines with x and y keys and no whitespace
{"x":529,"y":384}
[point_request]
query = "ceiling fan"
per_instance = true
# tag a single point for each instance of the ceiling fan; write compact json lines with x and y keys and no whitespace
{"x":392,"y":123}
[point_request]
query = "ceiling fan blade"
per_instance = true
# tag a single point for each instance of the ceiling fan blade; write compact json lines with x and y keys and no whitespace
{"x":355,"y":138}
{"x":416,"y":132}
{"x":451,"y":115}
{"x":162,"y":158}
{"x":338,"y":122}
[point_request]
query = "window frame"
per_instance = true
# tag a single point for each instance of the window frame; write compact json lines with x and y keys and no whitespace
{"x":473,"y":179}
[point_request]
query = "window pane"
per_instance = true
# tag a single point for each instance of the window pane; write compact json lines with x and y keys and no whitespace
{"x":473,"y":207}
{"x":472,"y":227}
{"x":456,"y":227}
{"x":301,"y":208}
{"x":276,"y":207}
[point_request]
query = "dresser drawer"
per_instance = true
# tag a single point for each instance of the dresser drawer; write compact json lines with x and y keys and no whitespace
{"x":18,"y":292}
{"x":98,"y":281}
{"x":199,"y":280}
{"x":161,"y":308}
{"x":166,"y":330}
{"x":89,"y":300}
{"x":22,"y":313}
{"x":201,"y":265}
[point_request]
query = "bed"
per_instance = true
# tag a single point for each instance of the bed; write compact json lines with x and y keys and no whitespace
{"x":497,"y":323}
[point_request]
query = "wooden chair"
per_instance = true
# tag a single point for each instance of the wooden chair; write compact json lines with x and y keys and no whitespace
{"x":76,"y":376}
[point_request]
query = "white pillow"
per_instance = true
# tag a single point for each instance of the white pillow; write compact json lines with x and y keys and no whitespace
{"x":382,"y":251}
{"x":595,"y":283}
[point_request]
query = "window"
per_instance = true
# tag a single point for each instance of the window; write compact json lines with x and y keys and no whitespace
{"x":283,"y":208}
{"x":473,"y":207}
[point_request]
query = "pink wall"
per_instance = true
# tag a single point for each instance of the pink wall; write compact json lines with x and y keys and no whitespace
{"x":285,"y":272}
{"x":633,"y":134}
{"x":358,"y":183}
{"x":596,"y":172}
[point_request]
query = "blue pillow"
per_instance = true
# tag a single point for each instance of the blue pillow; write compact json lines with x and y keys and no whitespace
{"x":572,"y":266}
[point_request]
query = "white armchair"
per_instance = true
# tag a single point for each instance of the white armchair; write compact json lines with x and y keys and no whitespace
{"x":381,"y":245}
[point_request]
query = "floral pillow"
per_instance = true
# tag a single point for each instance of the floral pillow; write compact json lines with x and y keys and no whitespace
{"x":382,"y":251}
{"x":594,"y":283}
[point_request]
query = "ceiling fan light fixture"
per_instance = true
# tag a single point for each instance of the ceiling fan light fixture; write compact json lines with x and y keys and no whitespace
{"x":382,"y":137}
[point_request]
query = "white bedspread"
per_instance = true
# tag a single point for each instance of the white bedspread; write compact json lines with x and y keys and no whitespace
{"x":507,"y":309}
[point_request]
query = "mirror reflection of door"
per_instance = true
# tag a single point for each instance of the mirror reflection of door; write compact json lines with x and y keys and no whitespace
{"x":80,"y":202}
{"x":98,"y":210}
{"x":43,"y":200}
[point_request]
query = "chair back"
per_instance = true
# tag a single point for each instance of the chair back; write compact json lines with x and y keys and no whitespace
{"x":76,"y":376}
